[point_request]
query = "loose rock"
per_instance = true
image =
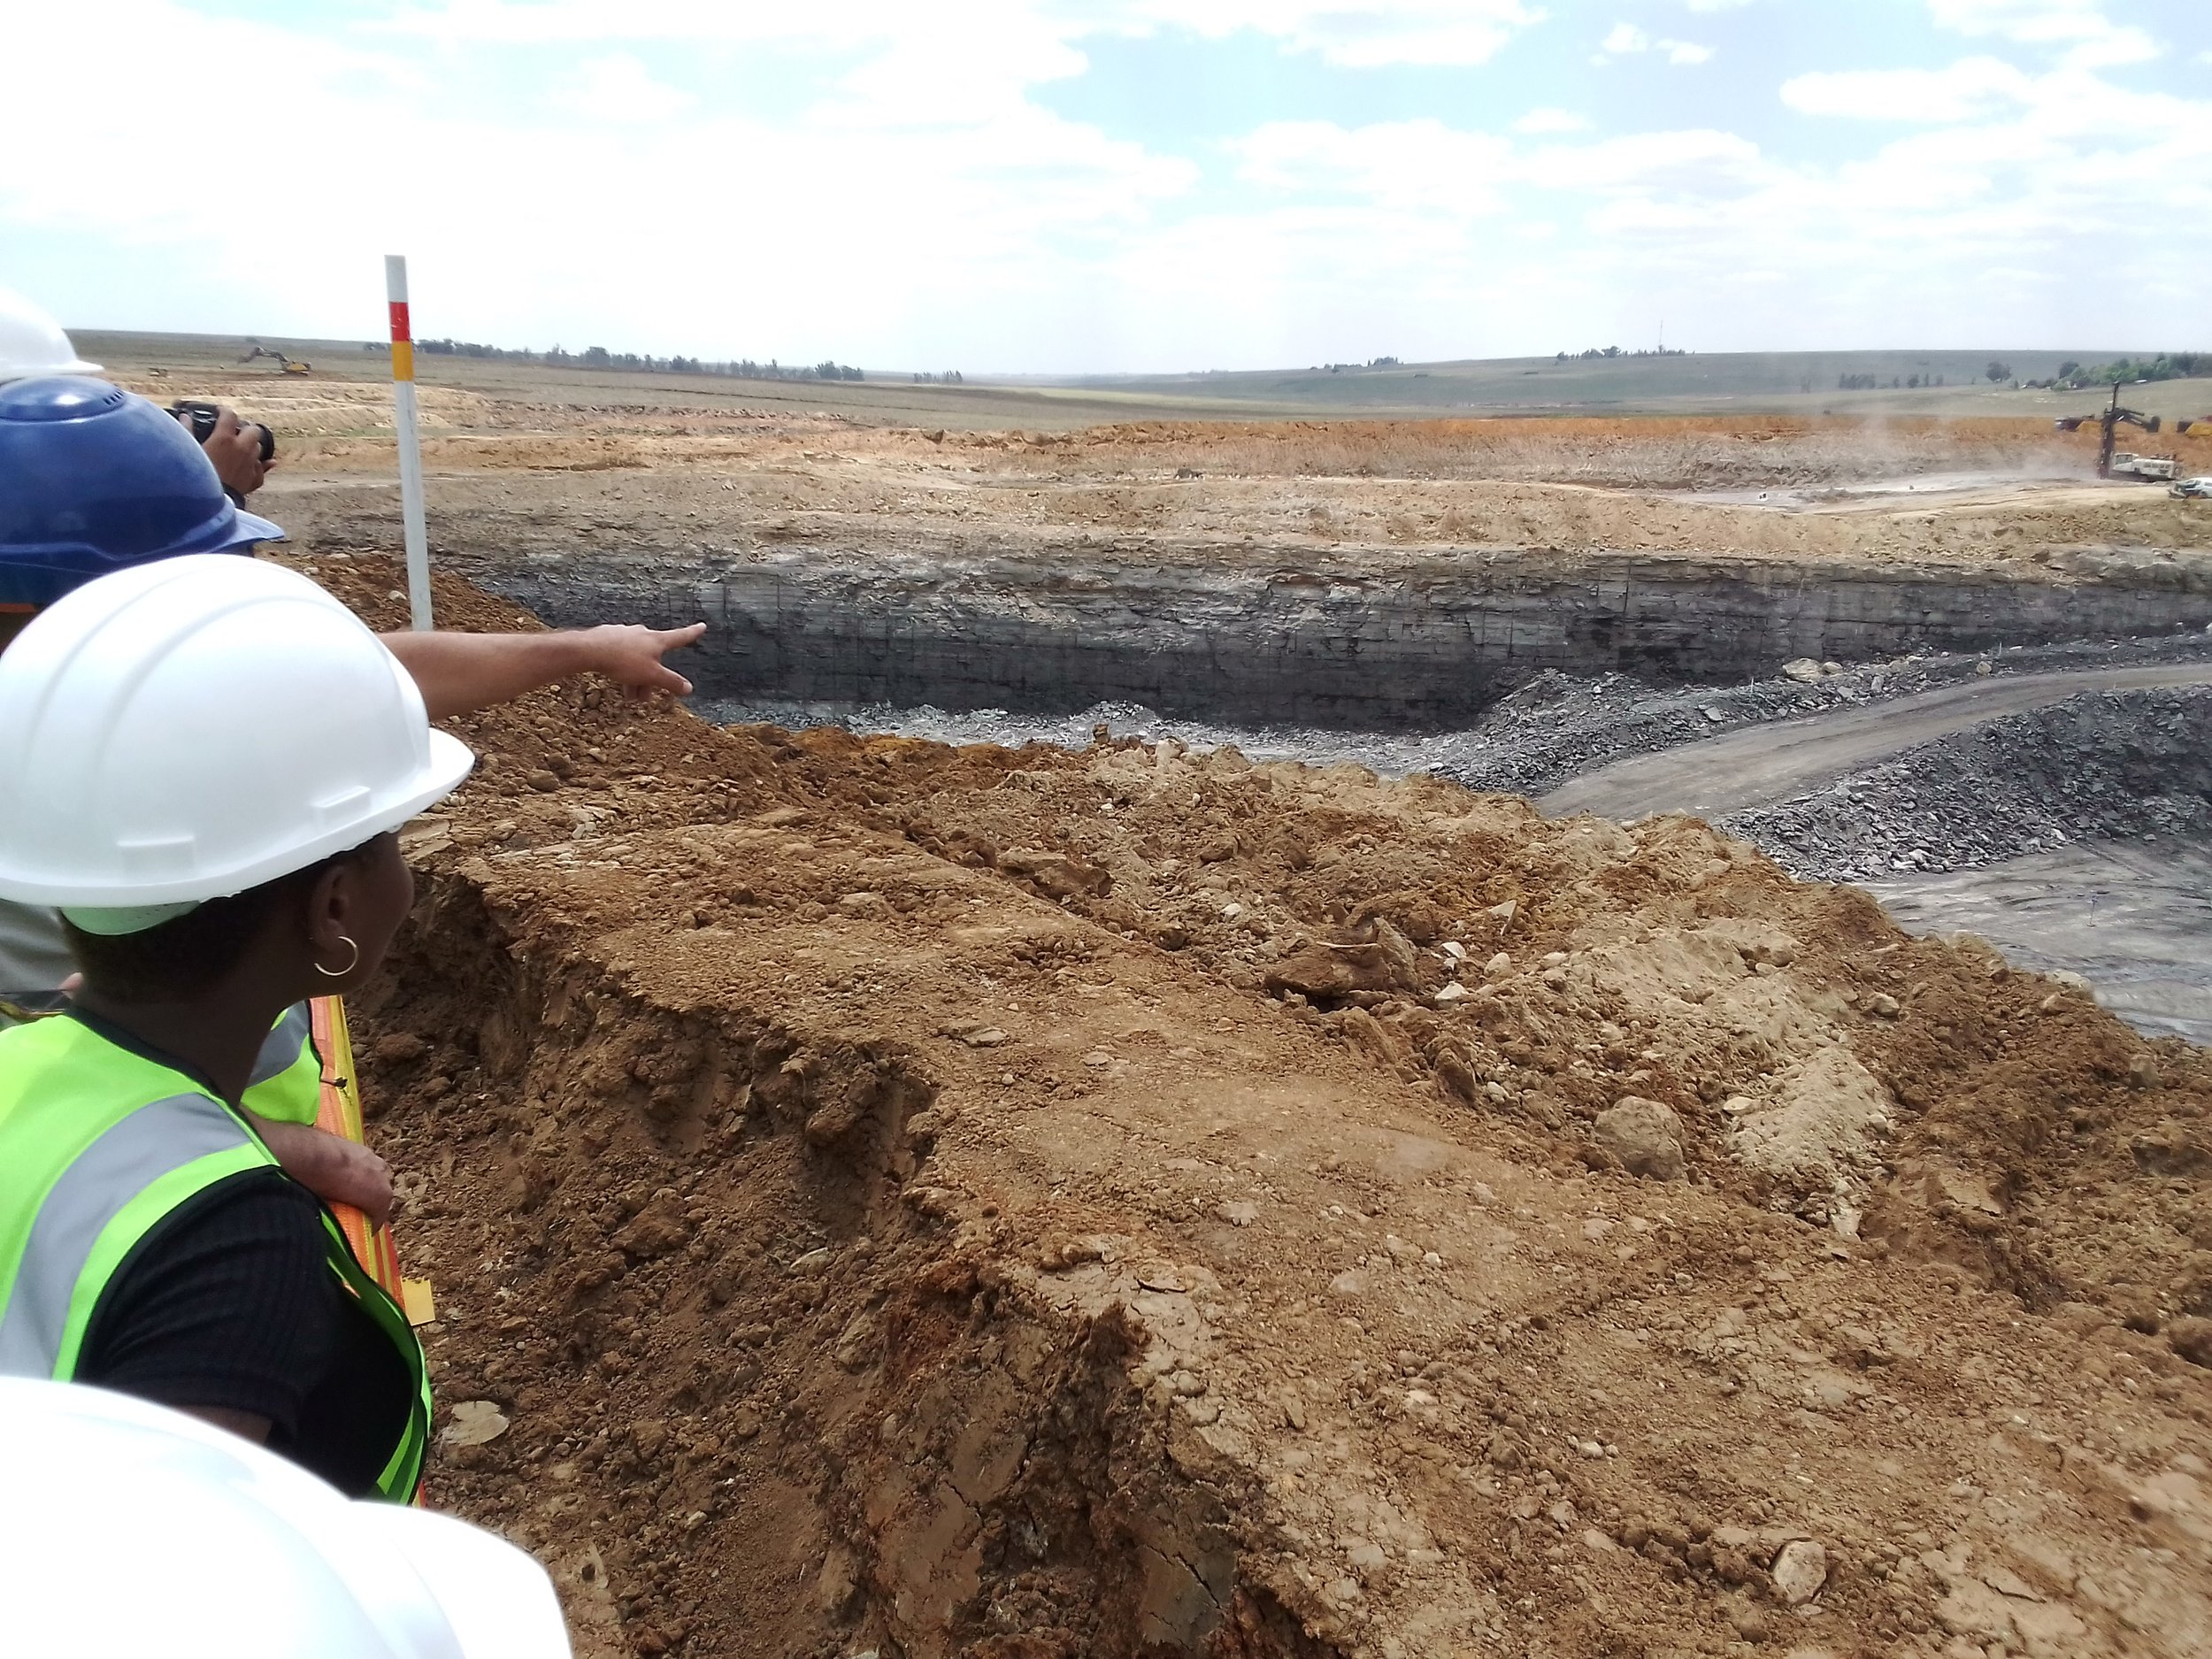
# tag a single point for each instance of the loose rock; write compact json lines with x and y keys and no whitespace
{"x":1799,"y":1571}
{"x":1645,"y":1136}
{"x":473,"y":1423}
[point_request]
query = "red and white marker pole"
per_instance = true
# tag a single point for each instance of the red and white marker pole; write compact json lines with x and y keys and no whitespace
{"x":410,"y":444}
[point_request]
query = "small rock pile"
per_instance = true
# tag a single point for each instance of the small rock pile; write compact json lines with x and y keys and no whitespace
{"x":2098,"y":767}
{"x":1555,"y":727}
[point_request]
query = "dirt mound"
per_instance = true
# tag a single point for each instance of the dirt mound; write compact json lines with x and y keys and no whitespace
{"x":1644,"y":452}
{"x":1030,"y":1203}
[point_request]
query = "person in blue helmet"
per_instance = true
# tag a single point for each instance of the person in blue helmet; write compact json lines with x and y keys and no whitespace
{"x":94,"y":480}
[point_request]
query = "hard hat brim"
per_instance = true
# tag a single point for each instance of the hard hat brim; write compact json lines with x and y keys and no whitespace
{"x":451,"y":760}
{"x":252,"y":528}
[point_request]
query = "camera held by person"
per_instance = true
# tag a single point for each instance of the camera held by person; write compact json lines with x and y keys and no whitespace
{"x":243,"y":451}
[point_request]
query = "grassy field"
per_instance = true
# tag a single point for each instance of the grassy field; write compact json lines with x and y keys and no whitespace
{"x":1792,"y":382}
{"x":1745,"y":383}
{"x":884,"y":399}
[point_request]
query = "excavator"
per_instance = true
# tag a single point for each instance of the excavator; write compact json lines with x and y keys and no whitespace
{"x":285,"y":366}
{"x":2121,"y":463}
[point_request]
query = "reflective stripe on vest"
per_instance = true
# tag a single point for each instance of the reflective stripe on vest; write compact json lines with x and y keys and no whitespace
{"x":286,"y":1084}
{"x":98,"y":1146}
{"x":184,"y":1143}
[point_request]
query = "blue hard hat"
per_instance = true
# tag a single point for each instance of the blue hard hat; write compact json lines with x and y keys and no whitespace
{"x":93,"y":479}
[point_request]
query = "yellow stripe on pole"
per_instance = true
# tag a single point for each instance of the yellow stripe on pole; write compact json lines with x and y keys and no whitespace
{"x":402,"y":360}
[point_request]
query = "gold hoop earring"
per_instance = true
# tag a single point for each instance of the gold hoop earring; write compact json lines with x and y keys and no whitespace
{"x":340,"y":973}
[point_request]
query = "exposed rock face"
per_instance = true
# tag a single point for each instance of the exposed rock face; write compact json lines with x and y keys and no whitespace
{"x":1431,"y":637}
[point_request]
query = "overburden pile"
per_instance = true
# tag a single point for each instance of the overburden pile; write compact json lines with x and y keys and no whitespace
{"x":1023,"y":1203}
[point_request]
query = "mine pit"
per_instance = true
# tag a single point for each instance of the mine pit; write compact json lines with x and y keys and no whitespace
{"x":879,"y":1232}
{"x":1146,"y":1194}
{"x":1429,"y":641}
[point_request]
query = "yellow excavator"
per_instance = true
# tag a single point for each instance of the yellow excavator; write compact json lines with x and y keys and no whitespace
{"x":285,"y":366}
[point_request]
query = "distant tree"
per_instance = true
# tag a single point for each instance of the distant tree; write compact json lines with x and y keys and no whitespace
{"x":1561,"y":357}
{"x":1612,"y":351}
{"x":1912,"y":379}
{"x":595,"y":357}
{"x":1997,"y":371}
{"x":2068,"y":368}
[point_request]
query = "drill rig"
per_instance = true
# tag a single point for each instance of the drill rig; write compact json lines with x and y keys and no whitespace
{"x":2122,"y":464}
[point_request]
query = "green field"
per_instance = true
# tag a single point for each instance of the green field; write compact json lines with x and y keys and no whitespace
{"x":1735,"y":383}
{"x":1729,"y":382}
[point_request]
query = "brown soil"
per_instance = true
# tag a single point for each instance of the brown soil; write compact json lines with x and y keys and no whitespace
{"x":507,"y":470}
{"x":968,"y":1201}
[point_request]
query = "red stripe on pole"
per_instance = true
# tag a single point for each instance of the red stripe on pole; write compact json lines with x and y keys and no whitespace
{"x":401,"y":328}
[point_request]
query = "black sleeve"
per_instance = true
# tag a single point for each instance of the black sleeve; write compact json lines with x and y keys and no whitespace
{"x":228,"y":1304}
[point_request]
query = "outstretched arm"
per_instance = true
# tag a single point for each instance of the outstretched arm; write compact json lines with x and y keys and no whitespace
{"x":459,"y":673}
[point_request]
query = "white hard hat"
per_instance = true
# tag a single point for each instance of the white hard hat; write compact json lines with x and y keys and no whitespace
{"x":31,"y":343}
{"x":192,"y":728}
{"x":132,"y":1529}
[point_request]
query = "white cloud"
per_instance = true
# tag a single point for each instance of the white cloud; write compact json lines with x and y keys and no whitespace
{"x":619,"y":88}
{"x":988,"y":212}
{"x":1399,"y":166}
{"x":1547,"y":120}
{"x":1627,"y":40}
{"x":1351,"y":33}
{"x":1028,"y":241}
{"x":552,"y":22}
{"x":2079,"y":29}
{"x":1970,"y":88}
{"x":1716,"y":5}
{"x":1699,"y":162}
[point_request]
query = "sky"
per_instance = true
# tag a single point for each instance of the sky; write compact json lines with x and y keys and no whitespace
{"x":1123,"y":185}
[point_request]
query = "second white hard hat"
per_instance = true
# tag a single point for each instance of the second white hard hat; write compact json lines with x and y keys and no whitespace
{"x":132,"y":1529}
{"x":31,"y":343}
{"x":187,"y":729}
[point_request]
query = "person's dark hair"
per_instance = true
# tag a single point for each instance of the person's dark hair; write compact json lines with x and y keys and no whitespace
{"x":189,"y":952}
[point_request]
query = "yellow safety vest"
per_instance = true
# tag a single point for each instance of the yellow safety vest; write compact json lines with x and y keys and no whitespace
{"x":98,"y":1146}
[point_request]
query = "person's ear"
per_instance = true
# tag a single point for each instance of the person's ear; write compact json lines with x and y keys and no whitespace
{"x":333,"y":903}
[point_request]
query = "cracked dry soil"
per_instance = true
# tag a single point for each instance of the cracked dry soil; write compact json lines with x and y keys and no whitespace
{"x":1041,"y":1203}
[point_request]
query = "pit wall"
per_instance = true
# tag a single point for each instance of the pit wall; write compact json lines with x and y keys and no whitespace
{"x":1435,"y":642}
{"x":771,"y":1392}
